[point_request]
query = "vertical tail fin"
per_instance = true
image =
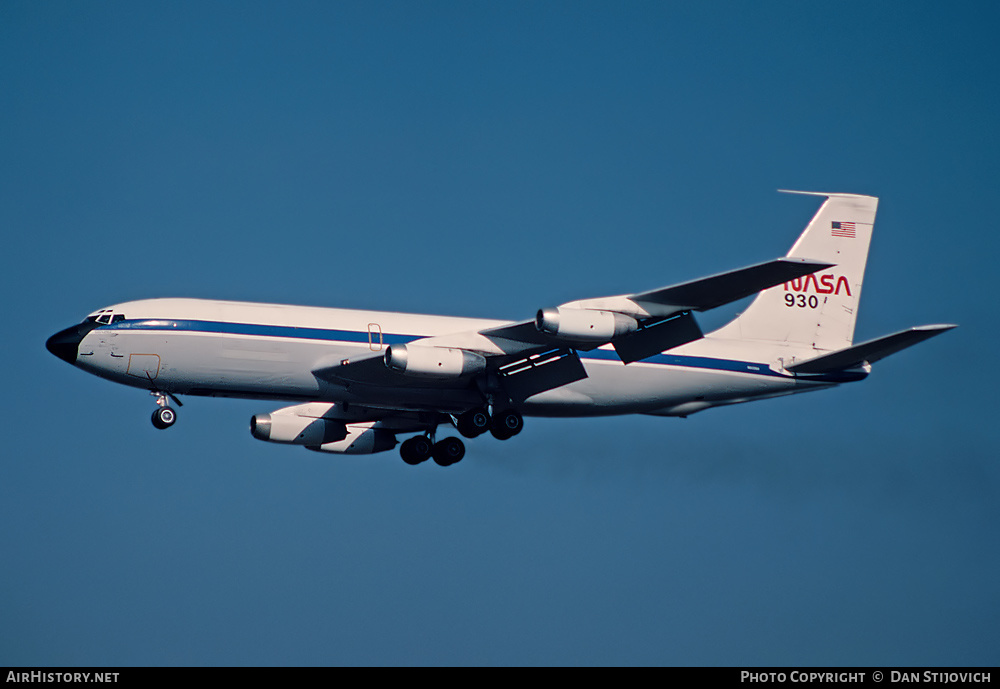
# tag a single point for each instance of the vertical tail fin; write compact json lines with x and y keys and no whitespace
{"x":819,"y":310}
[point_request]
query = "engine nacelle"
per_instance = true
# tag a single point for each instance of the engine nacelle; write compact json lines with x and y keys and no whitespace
{"x":433,"y":362}
{"x":296,"y":430}
{"x":361,"y":439}
{"x":584,"y":324}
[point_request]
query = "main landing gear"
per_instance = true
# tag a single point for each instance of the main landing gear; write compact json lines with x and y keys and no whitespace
{"x":164,"y":416}
{"x":506,"y":424}
{"x":419,"y":449}
{"x":502,"y":424}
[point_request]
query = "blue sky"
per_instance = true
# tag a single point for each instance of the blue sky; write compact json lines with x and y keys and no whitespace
{"x":488,"y":159}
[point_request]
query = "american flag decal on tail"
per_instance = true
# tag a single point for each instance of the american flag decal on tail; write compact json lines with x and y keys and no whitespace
{"x":842,"y":229}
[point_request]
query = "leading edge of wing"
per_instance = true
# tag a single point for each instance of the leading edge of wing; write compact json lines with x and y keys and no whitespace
{"x":707,"y":292}
{"x":716,"y":290}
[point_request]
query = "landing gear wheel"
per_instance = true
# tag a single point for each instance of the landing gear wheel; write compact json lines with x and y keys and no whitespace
{"x":448,"y":451}
{"x":415,"y":450}
{"x":506,"y":424}
{"x":473,"y":423}
{"x":164,"y":417}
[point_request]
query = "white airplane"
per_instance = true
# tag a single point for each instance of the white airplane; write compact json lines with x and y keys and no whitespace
{"x":360,"y":378}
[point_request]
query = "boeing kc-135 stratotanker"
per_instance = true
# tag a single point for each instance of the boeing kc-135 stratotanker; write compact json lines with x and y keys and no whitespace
{"x":359,"y":379}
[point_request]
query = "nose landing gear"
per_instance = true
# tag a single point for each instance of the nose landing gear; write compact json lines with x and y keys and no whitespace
{"x":164,"y":416}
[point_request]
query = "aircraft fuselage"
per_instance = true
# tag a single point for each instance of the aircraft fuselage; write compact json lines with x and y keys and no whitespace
{"x":269,"y":351}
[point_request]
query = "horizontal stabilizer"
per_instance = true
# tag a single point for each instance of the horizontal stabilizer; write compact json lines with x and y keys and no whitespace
{"x":716,"y":290}
{"x":869,"y":352}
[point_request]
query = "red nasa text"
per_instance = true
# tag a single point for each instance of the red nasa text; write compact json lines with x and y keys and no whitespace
{"x":825,"y":284}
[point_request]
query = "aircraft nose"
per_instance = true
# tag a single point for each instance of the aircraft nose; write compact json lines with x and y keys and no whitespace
{"x":65,"y":343}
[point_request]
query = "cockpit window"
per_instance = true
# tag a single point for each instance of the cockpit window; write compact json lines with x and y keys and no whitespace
{"x":105,"y":317}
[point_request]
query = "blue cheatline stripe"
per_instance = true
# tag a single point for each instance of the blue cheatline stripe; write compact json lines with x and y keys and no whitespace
{"x":361,"y":337}
{"x":692,"y":362}
{"x":258,"y":330}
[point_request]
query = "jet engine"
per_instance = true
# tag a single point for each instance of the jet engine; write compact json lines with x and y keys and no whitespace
{"x":361,"y":439}
{"x":584,"y":324}
{"x":309,"y":425}
{"x":296,"y":430}
{"x":433,"y":362}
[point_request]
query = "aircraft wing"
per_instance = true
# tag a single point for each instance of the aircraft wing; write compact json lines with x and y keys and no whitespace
{"x":648,"y":309}
{"x":540,"y":354}
{"x":644,"y":323}
{"x":708,"y":292}
{"x":869,"y":352}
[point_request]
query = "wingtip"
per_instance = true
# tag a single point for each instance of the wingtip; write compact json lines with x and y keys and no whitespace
{"x":826,"y":194}
{"x":804,"y":193}
{"x":819,"y":265}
